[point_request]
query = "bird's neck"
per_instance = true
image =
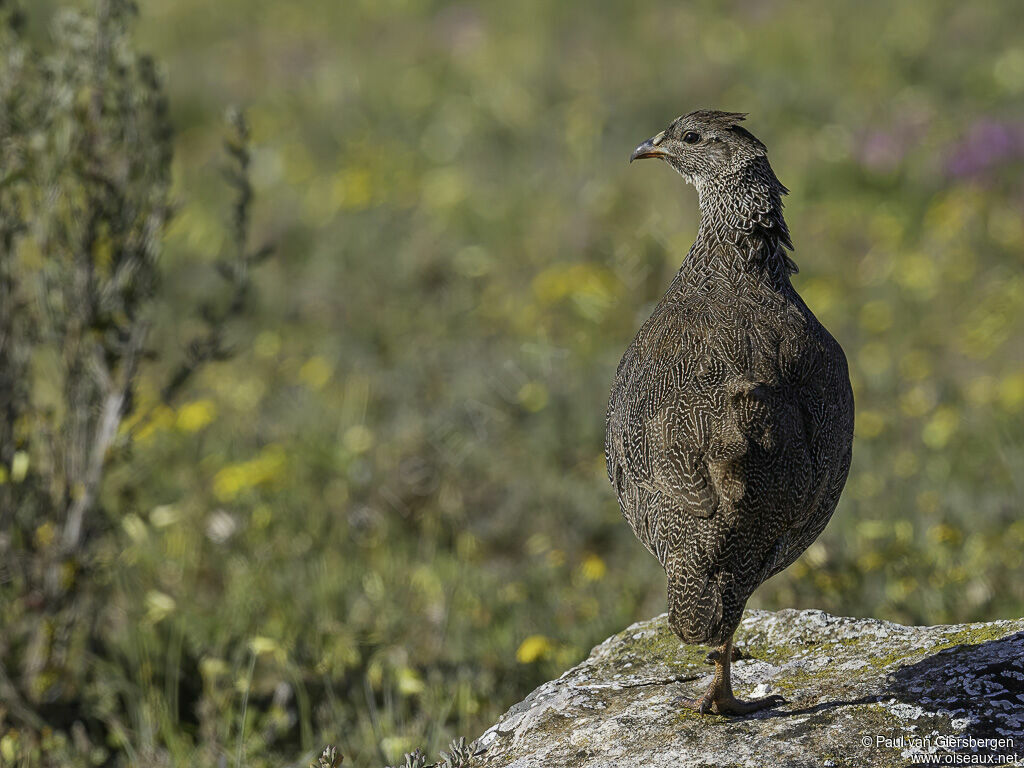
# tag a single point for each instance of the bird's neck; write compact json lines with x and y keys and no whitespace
{"x":742,"y":229}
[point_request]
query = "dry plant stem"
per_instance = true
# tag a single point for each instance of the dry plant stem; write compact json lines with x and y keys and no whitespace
{"x":106,"y":430}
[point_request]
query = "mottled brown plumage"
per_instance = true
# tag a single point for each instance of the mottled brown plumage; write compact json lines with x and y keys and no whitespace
{"x":730,"y":422}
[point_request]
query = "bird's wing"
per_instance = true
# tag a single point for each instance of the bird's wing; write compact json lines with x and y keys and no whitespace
{"x":701,"y":424}
{"x":657,"y":428}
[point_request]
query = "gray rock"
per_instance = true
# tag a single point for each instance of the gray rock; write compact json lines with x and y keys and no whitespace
{"x":860,"y":692}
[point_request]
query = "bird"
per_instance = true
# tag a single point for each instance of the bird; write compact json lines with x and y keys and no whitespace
{"x":729,"y":430}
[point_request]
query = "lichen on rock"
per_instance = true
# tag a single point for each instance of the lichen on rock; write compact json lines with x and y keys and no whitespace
{"x":859,"y":692}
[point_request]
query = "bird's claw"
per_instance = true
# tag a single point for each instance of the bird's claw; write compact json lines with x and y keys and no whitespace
{"x":701,"y":705}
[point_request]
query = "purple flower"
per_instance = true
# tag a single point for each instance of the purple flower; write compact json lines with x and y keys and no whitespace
{"x":988,"y":144}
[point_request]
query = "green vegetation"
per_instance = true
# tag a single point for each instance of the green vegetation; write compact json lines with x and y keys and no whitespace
{"x":385,"y":518}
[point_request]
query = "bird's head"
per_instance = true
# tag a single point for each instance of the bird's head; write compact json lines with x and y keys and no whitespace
{"x":704,"y":146}
{"x":736,"y":186}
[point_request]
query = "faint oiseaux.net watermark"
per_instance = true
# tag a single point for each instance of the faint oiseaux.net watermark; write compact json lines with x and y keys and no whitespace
{"x":939,"y":749}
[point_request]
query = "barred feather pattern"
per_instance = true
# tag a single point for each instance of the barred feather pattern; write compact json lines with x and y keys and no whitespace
{"x":729,"y":428}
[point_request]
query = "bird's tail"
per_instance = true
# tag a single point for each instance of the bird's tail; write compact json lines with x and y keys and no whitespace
{"x":694,"y":603}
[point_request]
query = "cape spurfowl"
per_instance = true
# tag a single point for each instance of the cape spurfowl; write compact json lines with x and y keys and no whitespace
{"x":730,"y":422}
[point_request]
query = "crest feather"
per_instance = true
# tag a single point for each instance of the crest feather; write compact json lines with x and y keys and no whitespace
{"x":726,"y":121}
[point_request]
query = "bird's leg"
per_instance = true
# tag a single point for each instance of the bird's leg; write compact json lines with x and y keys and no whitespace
{"x":719,"y":698}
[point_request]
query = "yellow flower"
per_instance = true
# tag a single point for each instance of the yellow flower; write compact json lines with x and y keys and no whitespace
{"x":192,"y":417}
{"x":409,"y":683}
{"x":268,"y":646}
{"x":164,"y":515}
{"x":315,"y":372}
{"x":212,"y":668}
{"x":352,"y":188}
{"x":918,"y":400}
{"x":443,"y":188}
{"x":260,"y":645}
{"x":943,"y":533}
{"x":1011,"y":392}
{"x":940,"y":427}
{"x":593,"y":568}
{"x":533,"y":395}
{"x":19,"y":466}
{"x":135,"y":527}
{"x":160,"y":418}
{"x":532,"y":648}
{"x":592,"y":287}
{"x":159,"y":606}
{"x":870,"y":561}
{"x":235,"y":478}
{"x":9,"y":745}
{"x":358,"y":439}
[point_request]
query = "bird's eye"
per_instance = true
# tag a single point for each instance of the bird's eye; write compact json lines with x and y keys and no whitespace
{"x":690,"y":137}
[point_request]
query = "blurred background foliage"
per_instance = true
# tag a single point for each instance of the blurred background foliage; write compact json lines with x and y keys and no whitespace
{"x":386,"y":519}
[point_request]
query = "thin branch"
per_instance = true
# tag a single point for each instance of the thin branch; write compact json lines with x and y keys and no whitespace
{"x":106,"y":430}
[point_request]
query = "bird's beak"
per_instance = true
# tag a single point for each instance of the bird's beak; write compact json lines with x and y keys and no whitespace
{"x":649,"y":148}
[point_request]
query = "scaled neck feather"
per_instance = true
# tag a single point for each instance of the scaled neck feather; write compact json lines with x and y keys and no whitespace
{"x":742,"y":229}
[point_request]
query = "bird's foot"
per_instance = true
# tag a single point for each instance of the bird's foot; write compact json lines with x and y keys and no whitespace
{"x":728,"y":705}
{"x":715,"y":656}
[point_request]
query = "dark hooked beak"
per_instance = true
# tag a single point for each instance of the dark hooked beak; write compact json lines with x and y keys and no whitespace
{"x":649,"y":148}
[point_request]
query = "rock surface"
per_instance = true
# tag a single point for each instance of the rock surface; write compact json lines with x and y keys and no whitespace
{"x":860,"y":692}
